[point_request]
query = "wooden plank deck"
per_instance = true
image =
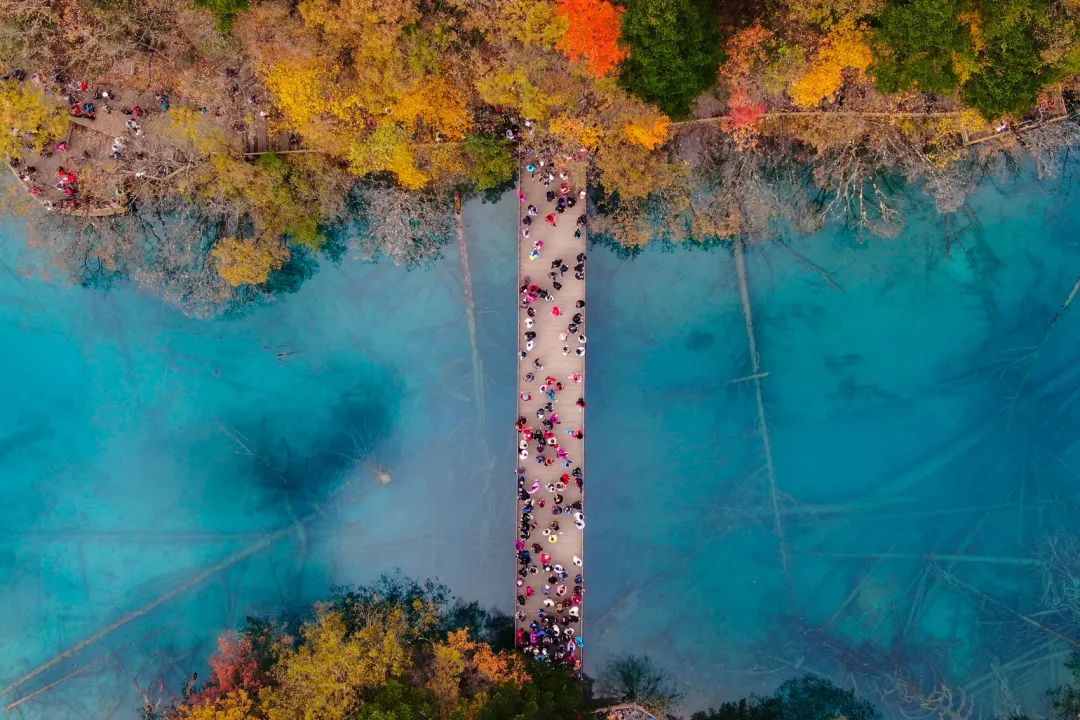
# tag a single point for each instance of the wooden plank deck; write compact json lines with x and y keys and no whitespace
{"x":549,"y":598}
{"x":1050,"y":111}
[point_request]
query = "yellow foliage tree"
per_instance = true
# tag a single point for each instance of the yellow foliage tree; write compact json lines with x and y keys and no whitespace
{"x":436,"y":103}
{"x":843,"y":47}
{"x":446,"y":163}
{"x":241,"y":262}
{"x":522,"y":81}
{"x":649,"y":133}
{"x":634,"y":172}
{"x":499,"y":667}
{"x":233,"y":706}
{"x":447,"y":669}
{"x":28,"y":119}
{"x":462,"y":663}
{"x":388,"y":149}
{"x":367,"y":33}
{"x":325,"y":678}
{"x":370,"y":82}
{"x":825,"y":12}
{"x":576,"y":131}
{"x":298,"y":88}
{"x":527,"y":22}
{"x":346,"y":22}
{"x":388,"y":86}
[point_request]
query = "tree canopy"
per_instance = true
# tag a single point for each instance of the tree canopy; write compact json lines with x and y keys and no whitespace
{"x":30,"y":121}
{"x":394,"y":650}
{"x":921,"y":45}
{"x":592,"y":34}
{"x":1011,"y":70}
{"x":809,"y":697}
{"x":675,"y":50}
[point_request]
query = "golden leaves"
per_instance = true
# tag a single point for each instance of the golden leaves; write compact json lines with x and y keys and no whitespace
{"x":437,"y":104}
{"x":241,"y":262}
{"x":649,"y":133}
{"x":235,"y":705}
{"x":388,"y":149}
{"x":843,"y":47}
{"x":28,"y":119}
{"x":577,"y":131}
{"x":325,"y":677}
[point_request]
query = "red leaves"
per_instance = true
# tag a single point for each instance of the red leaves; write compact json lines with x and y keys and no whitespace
{"x":743,"y":111}
{"x":233,"y":667}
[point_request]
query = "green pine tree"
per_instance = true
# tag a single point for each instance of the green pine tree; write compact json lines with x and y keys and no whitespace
{"x":675,"y":51}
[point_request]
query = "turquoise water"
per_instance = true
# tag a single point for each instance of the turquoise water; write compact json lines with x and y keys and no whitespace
{"x":164,"y":476}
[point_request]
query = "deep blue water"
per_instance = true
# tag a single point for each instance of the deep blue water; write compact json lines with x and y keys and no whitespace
{"x":203,"y":470}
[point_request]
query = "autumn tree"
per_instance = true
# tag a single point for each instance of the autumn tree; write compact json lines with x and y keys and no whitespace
{"x":392,"y":650}
{"x":592,"y":34}
{"x":284,"y":200}
{"x":746,"y":51}
{"x":842,"y":48}
{"x":461,"y":668}
{"x":247,"y":262}
{"x":233,"y":666}
{"x":628,"y":160}
{"x":30,"y":121}
{"x":823,"y":13}
{"x":649,"y":132}
{"x":330,"y":670}
{"x":236,"y":705}
{"x":368,"y":82}
{"x":674,"y":51}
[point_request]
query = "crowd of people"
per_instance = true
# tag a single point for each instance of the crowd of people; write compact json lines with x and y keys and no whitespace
{"x":117,"y":114}
{"x":550,"y":426}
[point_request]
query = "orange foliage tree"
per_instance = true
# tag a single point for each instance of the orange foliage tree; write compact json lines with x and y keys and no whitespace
{"x":592,"y":34}
{"x":746,"y":51}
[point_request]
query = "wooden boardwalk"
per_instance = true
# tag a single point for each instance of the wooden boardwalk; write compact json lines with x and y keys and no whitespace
{"x":551,"y":454}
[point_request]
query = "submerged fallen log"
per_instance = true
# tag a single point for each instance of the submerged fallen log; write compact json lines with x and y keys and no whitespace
{"x":186,"y":586}
{"x":1027,"y":619}
{"x":949,"y":558}
{"x":470,"y":319}
{"x":762,"y":422}
{"x":1034,"y":355}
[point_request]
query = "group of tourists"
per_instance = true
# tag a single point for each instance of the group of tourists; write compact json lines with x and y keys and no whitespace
{"x":86,"y":101}
{"x":550,"y":426}
{"x":67,"y":181}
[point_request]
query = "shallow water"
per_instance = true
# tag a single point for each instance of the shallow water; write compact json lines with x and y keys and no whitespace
{"x":164,"y":477}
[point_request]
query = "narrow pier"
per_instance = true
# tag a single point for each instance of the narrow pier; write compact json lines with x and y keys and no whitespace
{"x":551,"y":417}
